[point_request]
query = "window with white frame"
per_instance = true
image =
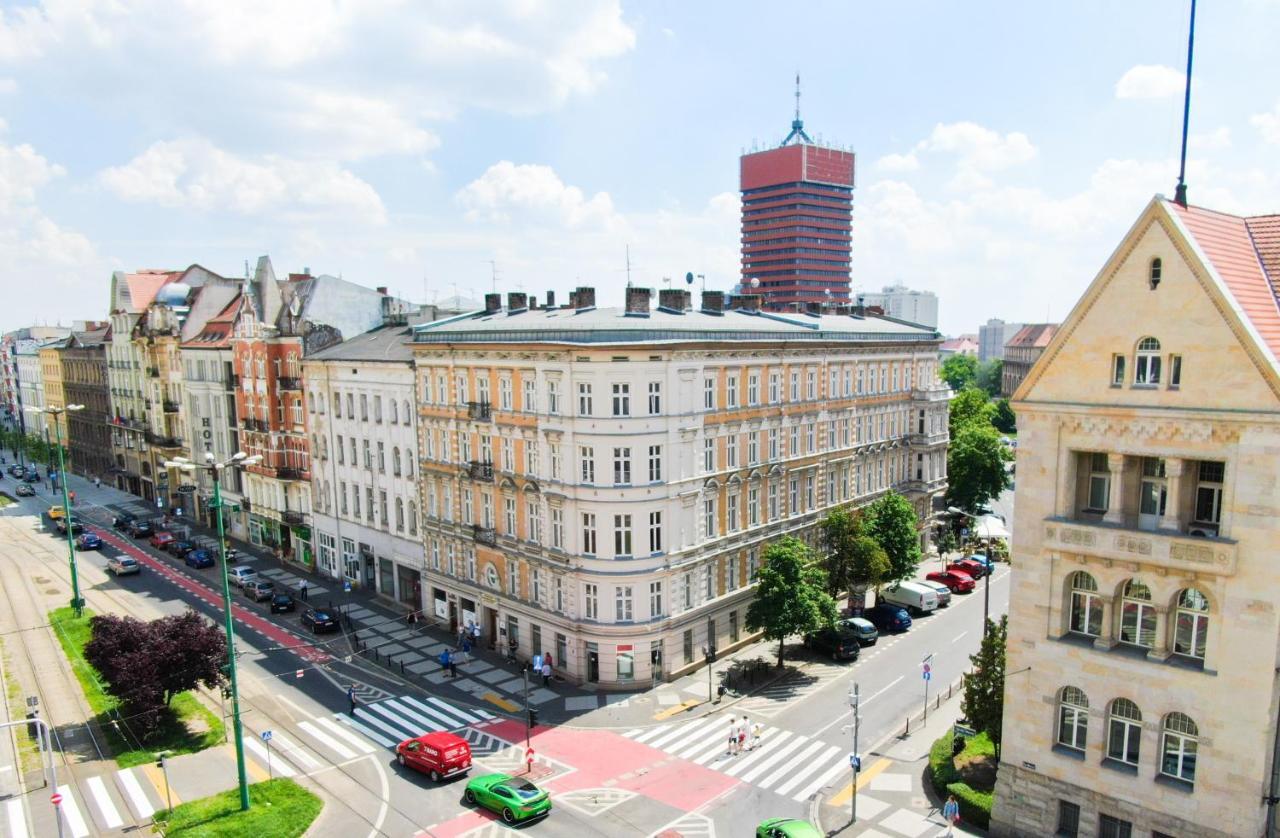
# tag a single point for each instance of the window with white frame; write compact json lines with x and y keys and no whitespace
{"x":482,"y":388}
{"x":655,"y":398}
{"x":468,"y":506}
{"x":731,"y":451}
{"x":655,"y":463}
{"x":655,"y":599}
{"x":708,"y":455}
{"x":622,"y":611}
{"x":1124,"y":731}
{"x":1099,"y":482}
{"x":534,"y":520}
{"x":1086,"y":605}
{"x":1146,"y":367}
{"x":587,"y":460}
{"x":509,"y":516}
{"x":529,"y":393}
{"x":589,"y":533}
{"x":810,"y":501}
{"x":731,"y":570}
{"x":655,"y":531}
{"x":508,"y":455}
{"x":1175,"y":372}
{"x":753,"y":564}
{"x":1137,"y":615}
{"x":1179,"y":743}
{"x":591,"y":599}
{"x":708,"y":581}
{"x":399,"y":515}
{"x":773,"y":500}
{"x":504,"y":394}
{"x":1191,"y":624}
{"x":811,"y":385}
{"x":536,"y":584}
{"x":557,"y":528}
{"x":513,"y":577}
{"x":753,"y":388}
{"x":1117,"y":370}
{"x":486,"y":509}
{"x":686,"y":588}
{"x":553,"y":455}
{"x":1073,"y":718}
{"x":773,"y":444}
{"x":531,"y":457}
{"x":557,"y":592}
{"x":795,"y":386}
{"x":753,"y":506}
{"x":621,"y":399}
{"x":793,"y":495}
{"x":709,"y":393}
{"x":622,"y":535}
{"x":775,"y":388}
{"x":753,"y":448}
{"x":731,"y":512}
{"x":709,"y":518}
{"x":553,"y":398}
{"x":584,"y":399}
{"x":731,"y":389}
{"x":622,"y":466}
{"x":1210,"y":476}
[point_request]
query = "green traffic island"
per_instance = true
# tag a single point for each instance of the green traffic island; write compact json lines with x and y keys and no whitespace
{"x":965,"y":765}
{"x":179,"y":725}
{"x":278,"y":808}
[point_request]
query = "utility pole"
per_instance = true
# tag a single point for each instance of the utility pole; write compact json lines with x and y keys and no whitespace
{"x":77,"y":602}
{"x":926,"y":672}
{"x":855,"y":759}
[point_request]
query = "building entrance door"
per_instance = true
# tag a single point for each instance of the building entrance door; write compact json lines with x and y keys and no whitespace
{"x":1154,"y":494}
{"x":593,"y":666}
{"x":491,"y":625}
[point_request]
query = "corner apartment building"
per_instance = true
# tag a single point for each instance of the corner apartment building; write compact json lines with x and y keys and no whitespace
{"x":84,"y":382}
{"x":1144,"y":627}
{"x":1021,"y":353}
{"x":50,"y":359}
{"x":600,"y":483}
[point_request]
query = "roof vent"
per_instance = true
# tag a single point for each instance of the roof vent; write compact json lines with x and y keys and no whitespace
{"x":584,"y":299}
{"x":674,"y":300}
{"x":638,"y":302}
{"x":517,"y":302}
{"x":492,"y":303}
{"x":713,"y":302}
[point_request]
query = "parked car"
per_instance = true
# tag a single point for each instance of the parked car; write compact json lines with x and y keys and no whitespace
{"x":976,"y":570}
{"x":16,"y":470}
{"x":988,"y":564}
{"x":123,"y":521}
{"x":123,"y":566}
{"x":179,"y":547}
{"x":943,"y":592}
{"x":89,"y":541}
{"x":839,"y":642}
{"x":887,"y":617}
{"x":787,"y":828}
{"x":141,"y":529}
{"x":161,"y":540}
{"x":914,"y":597}
{"x":957,"y":580}
{"x":199,"y":559}
{"x":240,"y":575}
{"x":319,"y":620}
{"x":514,"y":798}
{"x":32,"y":476}
{"x":56,"y":512}
{"x":440,"y":755}
{"x":259,"y":589}
{"x":865,"y":630}
{"x":22,"y":490}
{"x":281,"y":603}
{"x":62,"y":525}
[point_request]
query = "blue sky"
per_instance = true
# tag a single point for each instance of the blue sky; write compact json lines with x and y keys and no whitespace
{"x":1003,"y":148}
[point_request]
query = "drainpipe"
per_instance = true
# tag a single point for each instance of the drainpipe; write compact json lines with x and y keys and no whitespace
{"x":1274,"y":796}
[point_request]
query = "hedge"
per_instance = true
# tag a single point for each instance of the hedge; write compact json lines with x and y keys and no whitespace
{"x":975,"y":805}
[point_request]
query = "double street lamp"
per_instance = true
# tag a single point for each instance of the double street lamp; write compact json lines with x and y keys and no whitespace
{"x":77,"y":602}
{"x":986,"y":587}
{"x":213,"y":468}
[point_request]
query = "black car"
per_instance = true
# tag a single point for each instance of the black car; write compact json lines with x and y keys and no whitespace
{"x":281,"y":603}
{"x":886,"y":617}
{"x":319,"y":620}
{"x":839,"y":642}
{"x":61,"y":526}
{"x":179,"y":547}
{"x":141,"y":529}
{"x":123,"y":521}
{"x":32,"y":477}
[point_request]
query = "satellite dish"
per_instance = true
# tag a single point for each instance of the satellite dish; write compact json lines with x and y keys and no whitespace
{"x":688,"y":278}
{"x":755,"y":282}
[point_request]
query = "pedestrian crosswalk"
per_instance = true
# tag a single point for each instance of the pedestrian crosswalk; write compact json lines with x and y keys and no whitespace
{"x":388,"y":723}
{"x":786,"y":763}
{"x":792,"y":687}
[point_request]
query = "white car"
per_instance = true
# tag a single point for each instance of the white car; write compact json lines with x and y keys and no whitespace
{"x":913,"y":596}
{"x":944,"y":593}
{"x":240,"y":575}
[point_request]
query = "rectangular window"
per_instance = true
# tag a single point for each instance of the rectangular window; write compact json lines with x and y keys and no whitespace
{"x":811,"y":385}
{"x":775,"y":388}
{"x":709,"y":518}
{"x":731,"y":386}
{"x":773,"y":444}
{"x":504,"y":394}
{"x":591,"y":595}
{"x":529,"y":401}
{"x":708,"y":455}
{"x":622,"y":612}
{"x":709,"y":393}
{"x":535,"y":577}
{"x":1117,"y":371}
{"x":509,"y":515}
{"x":795,"y":385}
{"x":1175,"y":371}
{"x":655,"y":599}
{"x":557,"y":594}
{"x":554,"y":454}
{"x":655,"y":398}
{"x":587,"y":457}
{"x":622,"y":466}
{"x":688,"y":646}
{"x":1210,"y":477}
{"x":533,"y":521}
{"x":793,"y":496}
{"x":341,"y":458}
{"x":753,"y":564}
{"x":731,"y":565}
{"x":733,"y":626}
{"x":531,"y":457}
{"x":1068,"y":819}
{"x":793,"y":447}
{"x":753,"y":448}
{"x":513,"y":588}
{"x":1109,"y":827}
{"x":364,"y":407}
{"x":622,"y":400}
{"x":773,"y":501}
{"x":753,"y":506}
{"x":622,"y":535}
{"x":655,"y":532}
{"x":731,"y":512}
{"x":553,"y":398}
{"x":589,"y":533}
{"x":557,"y":528}
{"x":468,"y":507}
{"x":655,"y":463}
{"x":584,"y":399}
{"x":709,"y":586}
{"x":731,"y":451}
{"x":753,"y":389}
{"x":1099,"y":482}
{"x":686,"y":585}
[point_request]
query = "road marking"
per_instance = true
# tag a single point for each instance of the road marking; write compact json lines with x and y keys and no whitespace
{"x":691,"y":731}
{"x":311,"y":730}
{"x":761,"y":756}
{"x":277,"y":763}
{"x":958,"y":636}
{"x":829,"y":757}
{"x":296,"y":753}
{"x":156,"y":776}
{"x":846,"y":794}
{"x":494,"y":698}
{"x":800,"y":758}
{"x":376,"y":737}
{"x":71,"y":812}
{"x":679,"y":708}
{"x":17,"y":819}
{"x":345,"y":735}
{"x":881,"y":691}
{"x":133,"y":790}
{"x":822,"y":780}
{"x":110,"y":816}
{"x":472,"y":717}
{"x":644,"y":735}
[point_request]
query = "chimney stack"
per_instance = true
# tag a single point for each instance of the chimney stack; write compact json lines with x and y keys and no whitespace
{"x":675,"y":300}
{"x":584,"y":299}
{"x":516,"y":301}
{"x":813,"y":307}
{"x":551,"y":299}
{"x":713,"y":302}
{"x":492,"y":303}
{"x":745,"y":302}
{"x":381,"y":289}
{"x":638,"y":302}
{"x":533,"y":303}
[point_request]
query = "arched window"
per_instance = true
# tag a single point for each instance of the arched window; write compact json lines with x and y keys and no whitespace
{"x":395,"y":459}
{"x":413,"y":518}
{"x":1178,"y":747}
{"x":1153,"y":275}
{"x":395,"y":412}
{"x":408,"y":464}
{"x":1191,"y":625}
{"x":407,"y":414}
{"x":399,"y":515}
{"x":1086,"y":605}
{"x":1146,"y":369}
{"x":1137,"y":615}
{"x":1124,"y":731}
{"x":1073,"y":718}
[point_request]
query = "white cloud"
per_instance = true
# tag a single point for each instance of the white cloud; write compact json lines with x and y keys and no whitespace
{"x":979,"y":147}
{"x":198,"y":175}
{"x":22,"y":172}
{"x":1150,"y":81}
{"x":1268,"y":124}
{"x":897,"y":163}
{"x":1215,"y":140}
{"x":537,"y":194}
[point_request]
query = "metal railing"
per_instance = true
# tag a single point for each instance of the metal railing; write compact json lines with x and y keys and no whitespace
{"x":480,"y":470}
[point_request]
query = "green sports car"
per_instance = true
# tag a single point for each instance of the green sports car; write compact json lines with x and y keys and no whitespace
{"x":514,"y":798}
{"x":787,"y":828}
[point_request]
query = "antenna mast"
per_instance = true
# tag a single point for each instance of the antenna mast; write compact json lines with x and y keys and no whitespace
{"x":797,"y":124}
{"x":1180,"y":192}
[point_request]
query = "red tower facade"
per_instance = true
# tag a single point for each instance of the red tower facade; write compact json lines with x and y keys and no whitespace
{"x":797,"y":212}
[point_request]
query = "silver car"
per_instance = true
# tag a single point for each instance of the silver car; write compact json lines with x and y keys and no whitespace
{"x":240,"y":575}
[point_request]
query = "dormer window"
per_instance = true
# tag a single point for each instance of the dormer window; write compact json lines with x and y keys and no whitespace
{"x":1146,"y":369}
{"x":1153,"y":274}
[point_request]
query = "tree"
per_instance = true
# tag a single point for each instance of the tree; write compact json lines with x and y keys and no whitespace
{"x":968,"y":405}
{"x":791,"y":594}
{"x":988,"y":376}
{"x":1003,"y":418}
{"x":975,"y":466}
{"x":853,"y":561}
{"x":959,"y":371}
{"x":891,"y":522}
{"x":192,"y":649}
{"x":983,"y":702}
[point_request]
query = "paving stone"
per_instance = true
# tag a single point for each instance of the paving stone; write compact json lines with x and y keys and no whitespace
{"x":514,"y":686}
{"x":906,"y":822}
{"x":392,"y":649}
{"x":491,"y":676}
{"x":891,"y":782}
{"x":578,"y":703}
{"x":541,"y":696}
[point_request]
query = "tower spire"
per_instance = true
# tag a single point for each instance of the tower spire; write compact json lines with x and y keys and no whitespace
{"x":797,"y":124}
{"x":797,"y":97}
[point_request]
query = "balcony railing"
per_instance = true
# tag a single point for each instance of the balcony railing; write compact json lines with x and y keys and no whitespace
{"x":478,"y":470}
{"x":485,"y":535}
{"x":937,"y":393}
{"x":258,"y":425}
{"x":289,"y":473}
{"x":927,"y":439}
{"x":1180,"y":552}
{"x":163,"y":441}
{"x":170,"y":407}
{"x":482,"y":411}
{"x":294,"y":518}
{"x":289,"y":384}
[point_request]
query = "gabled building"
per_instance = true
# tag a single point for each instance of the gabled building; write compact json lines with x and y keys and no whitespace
{"x":1021,"y":353}
{"x":1144,"y":615}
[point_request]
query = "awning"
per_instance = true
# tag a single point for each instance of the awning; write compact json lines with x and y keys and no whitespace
{"x":989,"y":526}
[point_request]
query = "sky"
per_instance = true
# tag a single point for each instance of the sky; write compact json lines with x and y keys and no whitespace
{"x":1002,"y":148}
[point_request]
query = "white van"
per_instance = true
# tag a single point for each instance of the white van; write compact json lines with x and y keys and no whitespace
{"x":913,"y":596}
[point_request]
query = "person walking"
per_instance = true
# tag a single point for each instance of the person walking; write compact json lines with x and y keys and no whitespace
{"x":756,"y":730}
{"x":733,"y":735}
{"x":351,"y":697}
{"x":302,"y":590}
{"x":466,"y":649}
{"x":951,"y":813}
{"x":546,"y":672}
{"x":744,"y":730}
{"x":453,"y":666}
{"x":445,"y":657}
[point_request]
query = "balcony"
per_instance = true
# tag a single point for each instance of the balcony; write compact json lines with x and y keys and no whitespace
{"x":296,"y":519}
{"x":940,"y":393}
{"x":925,"y":439}
{"x":485,"y":535}
{"x":289,"y":383}
{"x":233,"y":383}
{"x":478,"y":470}
{"x":1179,"y":552}
{"x":161,"y":441}
{"x":170,"y":407}
{"x":258,"y":425}
{"x":289,"y":473}
{"x":482,"y":411}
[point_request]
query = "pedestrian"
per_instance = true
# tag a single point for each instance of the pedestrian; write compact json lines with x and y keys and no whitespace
{"x":475,"y":634}
{"x":444,"y":659}
{"x":351,"y":697}
{"x":97,"y":482}
{"x":411,"y":619}
{"x":546,"y":672}
{"x":466,"y":649}
{"x":463,"y":634}
{"x":733,"y":735}
{"x":744,"y":728}
{"x":453,"y":666}
{"x":302,"y":590}
{"x":756,"y":730}
{"x":546,"y":658}
{"x":951,"y":813}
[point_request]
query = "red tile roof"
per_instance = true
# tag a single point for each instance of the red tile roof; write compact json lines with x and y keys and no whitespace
{"x":1033,"y":335}
{"x":1245,"y":253}
{"x":144,"y":285}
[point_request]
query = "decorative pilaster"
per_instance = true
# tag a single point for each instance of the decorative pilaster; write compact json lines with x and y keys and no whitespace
{"x":1107,"y":639}
{"x":1173,"y":470}
{"x":1115,"y":490}
{"x":1160,"y":646}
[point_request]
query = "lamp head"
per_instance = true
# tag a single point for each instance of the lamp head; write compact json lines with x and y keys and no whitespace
{"x":75,"y":407}
{"x":208,"y":456}
{"x":953,"y":510}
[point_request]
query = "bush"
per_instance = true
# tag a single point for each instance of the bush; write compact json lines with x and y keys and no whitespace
{"x":975,"y":804}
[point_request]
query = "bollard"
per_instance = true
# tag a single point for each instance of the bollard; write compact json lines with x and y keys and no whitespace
{"x":401,"y":667}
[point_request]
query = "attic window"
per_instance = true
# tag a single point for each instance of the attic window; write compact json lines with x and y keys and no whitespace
{"x":1153,"y":276}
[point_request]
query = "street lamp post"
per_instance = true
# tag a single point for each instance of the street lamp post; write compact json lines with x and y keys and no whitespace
{"x":986,"y":587}
{"x":239,"y":459}
{"x":77,"y":602}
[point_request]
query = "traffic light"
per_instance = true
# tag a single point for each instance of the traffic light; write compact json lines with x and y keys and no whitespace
{"x":533,"y":717}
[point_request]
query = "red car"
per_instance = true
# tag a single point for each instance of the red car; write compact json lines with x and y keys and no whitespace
{"x":439,"y":754}
{"x":161,"y":539}
{"x":957,"y":581}
{"x":972,"y":568}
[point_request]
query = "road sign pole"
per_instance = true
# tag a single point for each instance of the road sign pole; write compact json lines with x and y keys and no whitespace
{"x":857,"y":758}
{"x":926,"y":673}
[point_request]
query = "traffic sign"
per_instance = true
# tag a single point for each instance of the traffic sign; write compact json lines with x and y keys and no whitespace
{"x":346,"y":586}
{"x":855,"y":762}
{"x":266,"y":736}
{"x":926,"y":667}
{"x":928,"y":675}
{"x":56,"y":798}
{"x":963,"y":730}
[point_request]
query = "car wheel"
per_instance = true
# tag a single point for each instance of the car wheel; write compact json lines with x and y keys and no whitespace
{"x":470,"y":796}
{"x":508,"y":815}
{"x":435,"y":776}
{"x":400,"y":758}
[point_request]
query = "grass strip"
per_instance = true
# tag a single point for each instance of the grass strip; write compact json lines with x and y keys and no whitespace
{"x":278,"y":808}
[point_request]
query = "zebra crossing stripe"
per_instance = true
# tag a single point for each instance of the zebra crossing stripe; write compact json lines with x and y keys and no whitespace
{"x":345,"y":735}
{"x":835,"y":771}
{"x":470,"y":717}
{"x":328,"y":741}
{"x":137,"y":798}
{"x":17,"y":818}
{"x":800,"y":759}
{"x":774,"y":755}
{"x":710,"y":747}
{"x":390,"y":718}
{"x":423,"y":722}
{"x":376,"y":737}
{"x":760,"y":755}
{"x":278,"y":764}
{"x":287,"y":746}
{"x":816,"y":764}
{"x":371,"y":718}
{"x":71,"y":812}
{"x":645,"y":734}
{"x":687,"y":733}
{"x":110,"y":815}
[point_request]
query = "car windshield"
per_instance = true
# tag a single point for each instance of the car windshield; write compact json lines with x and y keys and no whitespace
{"x":523,"y":788}
{"x":320,"y":615}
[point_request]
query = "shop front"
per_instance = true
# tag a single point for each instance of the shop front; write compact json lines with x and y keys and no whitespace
{"x":409,"y":590}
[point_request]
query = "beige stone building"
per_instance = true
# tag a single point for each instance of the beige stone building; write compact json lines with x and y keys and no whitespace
{"x":1144,"y":632}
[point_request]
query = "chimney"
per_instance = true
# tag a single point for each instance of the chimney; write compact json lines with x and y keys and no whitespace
{"x":381,"y":289}
{"x":713,"y":302}
{"x":584,"y":299}
{"x":516,"y":301}
{"x":813,"y":307}
{"x":745,"y":302}
{"x":533,"y":303}
{"x":551,"y":299}
{"x":492,"y":303}
{"x":638,"y":302}
{"x":675,"y":300}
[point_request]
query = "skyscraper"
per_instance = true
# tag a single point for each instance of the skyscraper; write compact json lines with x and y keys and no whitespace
{"x":797,"y":205}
